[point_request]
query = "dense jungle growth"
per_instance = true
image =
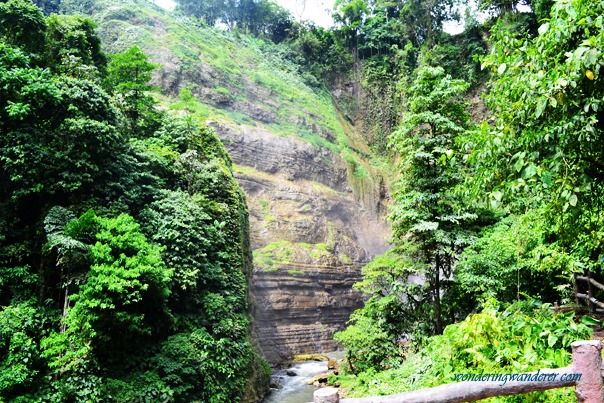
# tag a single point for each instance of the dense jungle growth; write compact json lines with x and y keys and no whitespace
{"x":124,"y":246}
{"x":494,"y":216}
{"x":124,"y":250}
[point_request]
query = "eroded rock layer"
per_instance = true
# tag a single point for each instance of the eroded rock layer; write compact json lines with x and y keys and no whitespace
{"x":311,"y":233}
{"x":298,"y":311}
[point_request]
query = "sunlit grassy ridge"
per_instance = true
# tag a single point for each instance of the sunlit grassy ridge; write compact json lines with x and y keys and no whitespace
{"x":247,"y":75}
{"x":237,"y":66}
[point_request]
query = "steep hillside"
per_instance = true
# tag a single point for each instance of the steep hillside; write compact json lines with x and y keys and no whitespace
{"x":315,"y":195}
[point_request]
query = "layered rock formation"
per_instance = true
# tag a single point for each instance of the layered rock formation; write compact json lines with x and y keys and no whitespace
{"x":298,"y":311}
{"x":316,"y":202}
{"x":311,"y":235}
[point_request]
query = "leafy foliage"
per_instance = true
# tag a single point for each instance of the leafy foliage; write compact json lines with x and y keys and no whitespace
{"x":430,"y":224}
{"x":73,"y":46}
{"x":547,"y":96}
{"x":21,"y":25}
{"x":95,"y":308}
{"x":20,"y":367}
{"x":258,"y":17}
{"x":513,"y":258}
{"x":128,"y":75}
{"x":524,"y":337}
{"x":537,"y":166}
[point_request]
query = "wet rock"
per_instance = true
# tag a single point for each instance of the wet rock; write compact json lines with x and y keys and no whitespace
{"x":318,"y":380}
{"x":276,"y":382}
{"x":290,"y":372}
{"x":310,"y":357}
{"x":333,"y":366}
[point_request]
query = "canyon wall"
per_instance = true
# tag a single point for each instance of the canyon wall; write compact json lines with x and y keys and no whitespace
{"x":310,"y":234}
{"x":316,"y":192}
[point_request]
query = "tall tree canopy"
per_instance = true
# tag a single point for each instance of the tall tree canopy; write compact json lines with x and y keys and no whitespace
{"x":546,"y":143}
{"x":101,"y":308}
{"x":257,"y":17}
{"x":430,"y":224}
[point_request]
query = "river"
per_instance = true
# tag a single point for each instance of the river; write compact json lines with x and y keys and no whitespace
{"x":295,"y":389}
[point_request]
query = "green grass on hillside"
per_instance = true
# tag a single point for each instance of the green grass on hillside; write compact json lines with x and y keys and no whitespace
{"x":233,"y":65}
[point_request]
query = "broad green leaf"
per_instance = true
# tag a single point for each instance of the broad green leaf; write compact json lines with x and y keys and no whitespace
{"x":553,"y":102}
{"x":551,"y":340}
{"x":541,"y":104}
{"x":589,"y":321}
{"x":529,"y":171}
{"x":592,"y":58}
{"x":573,"y":200}
{"x":546,"y":178}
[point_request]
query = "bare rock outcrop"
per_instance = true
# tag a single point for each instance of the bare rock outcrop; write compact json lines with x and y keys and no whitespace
{"x":311,"y":235}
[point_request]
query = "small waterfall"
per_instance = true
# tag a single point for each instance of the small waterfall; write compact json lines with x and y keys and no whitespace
{"x":295,"y":389}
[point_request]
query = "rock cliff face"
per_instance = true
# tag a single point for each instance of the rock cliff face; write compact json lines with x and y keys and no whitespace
{"x":298,"y":311}
{"x":316,"y":203}
{"x":311,"y":235}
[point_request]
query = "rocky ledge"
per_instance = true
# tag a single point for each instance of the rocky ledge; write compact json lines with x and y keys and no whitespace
{"x":298,"y":311}
{"x":310,"y":233}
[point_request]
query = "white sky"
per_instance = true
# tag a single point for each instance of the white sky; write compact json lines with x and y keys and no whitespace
{"x":167,"y":4}
{"x":318,"y":11}
{"x":315,"y":10}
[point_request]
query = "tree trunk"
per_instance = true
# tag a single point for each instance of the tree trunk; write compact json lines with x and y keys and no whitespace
{"x":439,"y":320}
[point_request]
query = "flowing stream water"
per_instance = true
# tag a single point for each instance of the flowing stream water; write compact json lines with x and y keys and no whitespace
{"x":295,"y":389}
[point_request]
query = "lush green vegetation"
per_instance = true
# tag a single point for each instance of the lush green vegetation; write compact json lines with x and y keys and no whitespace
{"x":123,"y":235}
{"x":524,"y":337}
{"x":124,"y":247}
{"x":491,"y":221}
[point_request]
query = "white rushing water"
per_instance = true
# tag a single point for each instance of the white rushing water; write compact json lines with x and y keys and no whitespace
{"x":295,"y":389}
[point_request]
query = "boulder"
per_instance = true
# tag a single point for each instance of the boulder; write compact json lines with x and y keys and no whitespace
{"x":317,"y":380}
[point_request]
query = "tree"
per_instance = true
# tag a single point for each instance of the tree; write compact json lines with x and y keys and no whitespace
{"x":430,"y":224}
{"x":22,"y":24}
{"x":375,"y":332}
{"x":500,"y":6}
{"x":541,"y":8}
{"x":71,"y":42}
{"x":545,"y":146}
{"x":256,"y":17}
{"x":350,"y":14}
{"x":89,"y":310}
{"x":121,"y":297}
{"x":514,"y":258}
{"x":272,"y":21}
{"x":128,"y":76}
{"x":42,"y":116}
{"x":423,"y":19}
{"x":48,"y":6}
{"x":210,"y":10}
